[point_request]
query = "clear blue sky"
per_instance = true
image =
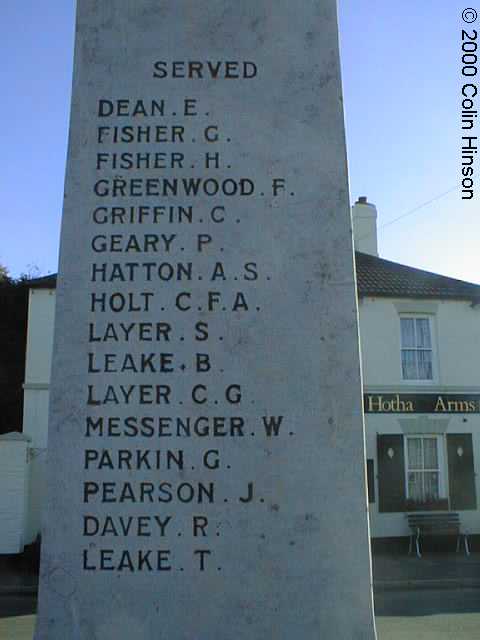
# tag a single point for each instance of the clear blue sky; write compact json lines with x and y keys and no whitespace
{"x":401,"y":78}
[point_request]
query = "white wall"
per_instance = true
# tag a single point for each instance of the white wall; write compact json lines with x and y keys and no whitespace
{"x":456,"y":336}
{"x":456,"y":327}
{"x":395,"y":524}
{"x":14,"y":494}
{"x":41,"y":312}
{"x":364,"y":219}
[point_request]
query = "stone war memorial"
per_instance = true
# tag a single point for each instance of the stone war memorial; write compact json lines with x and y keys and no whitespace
{"x":206,"y":476}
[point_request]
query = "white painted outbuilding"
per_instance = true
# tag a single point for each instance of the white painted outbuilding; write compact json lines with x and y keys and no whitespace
{"x":15,"y":481}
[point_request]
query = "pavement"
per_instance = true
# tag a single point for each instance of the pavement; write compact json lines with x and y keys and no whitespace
{"x":441,"y":627}
{"x":449,"y":575}
{"x":433,"y":570}
{"x":19,"y":628}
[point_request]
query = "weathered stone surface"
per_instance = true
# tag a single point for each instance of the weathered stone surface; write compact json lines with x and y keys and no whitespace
{"x":206,"y":467}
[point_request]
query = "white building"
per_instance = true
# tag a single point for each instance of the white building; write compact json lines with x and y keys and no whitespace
{"x":420,"y":340}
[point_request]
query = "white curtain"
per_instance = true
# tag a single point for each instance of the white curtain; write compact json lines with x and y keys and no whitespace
{"x":422,"y":454}
{"x":416,"y":349}
{"x":430,"y":486}
{"x":415,"y":453}
{"x":423,"y":333}
{"x":408,"y":333}
{"x":430,"y":454}
{"x":409,"y":364}
{"x":415,"y":486}
{"x":425,"y":370}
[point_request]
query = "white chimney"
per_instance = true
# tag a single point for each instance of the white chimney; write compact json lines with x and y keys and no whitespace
{"x":364,"y":217}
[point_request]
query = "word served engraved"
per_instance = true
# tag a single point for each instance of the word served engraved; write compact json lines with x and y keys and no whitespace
{"x":139,"y":250}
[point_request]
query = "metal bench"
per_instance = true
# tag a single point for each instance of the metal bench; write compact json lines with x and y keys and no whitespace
{"x":435,"y":524}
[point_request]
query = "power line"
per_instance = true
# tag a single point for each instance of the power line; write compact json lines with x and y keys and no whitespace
{"x":420,"y":206}
{"x":415,"y":209}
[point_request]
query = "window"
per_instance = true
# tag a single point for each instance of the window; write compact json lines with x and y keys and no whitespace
{"x":417,"y":357}
{"x":370,"y":481}
{"x":424,"y":464}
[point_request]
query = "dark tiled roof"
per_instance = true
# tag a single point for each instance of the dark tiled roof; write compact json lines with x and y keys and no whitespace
{"x":382,"y":278}
{"x":377,"y":277}
{"x":46,"y":282}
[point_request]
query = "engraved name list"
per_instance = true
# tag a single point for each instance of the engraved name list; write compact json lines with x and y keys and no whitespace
{"x":165,"y":285}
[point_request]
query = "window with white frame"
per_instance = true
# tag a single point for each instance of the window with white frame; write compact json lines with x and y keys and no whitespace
{"x":416,"y":347}
{"x":424,"y":462}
